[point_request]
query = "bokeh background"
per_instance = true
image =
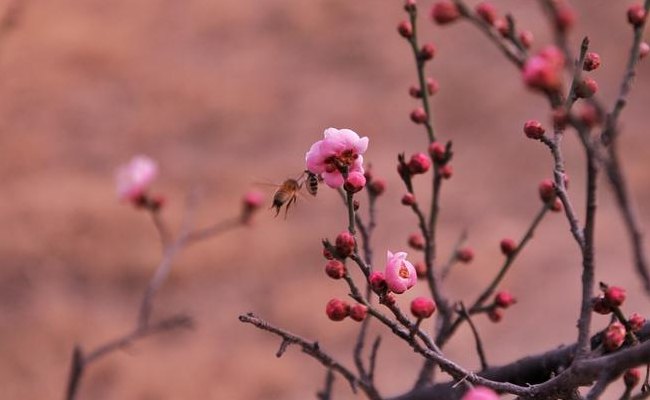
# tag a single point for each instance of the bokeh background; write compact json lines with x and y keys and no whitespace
{"x":227,"y":93}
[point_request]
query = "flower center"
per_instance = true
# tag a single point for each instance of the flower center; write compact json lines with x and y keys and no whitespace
{"x":403,"y":271}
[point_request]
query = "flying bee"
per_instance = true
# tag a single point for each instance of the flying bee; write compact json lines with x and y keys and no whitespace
{"x":287,"y":193}
{"x":311,"y":182}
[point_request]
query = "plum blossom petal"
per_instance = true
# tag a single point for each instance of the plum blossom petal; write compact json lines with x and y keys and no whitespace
{"x":333,"y":179}
{"x":400,"y":273}
{"x":133,"y":179}
{"x":480,"y":393}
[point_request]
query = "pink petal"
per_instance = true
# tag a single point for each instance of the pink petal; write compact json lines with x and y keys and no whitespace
{"x":333,"y":179}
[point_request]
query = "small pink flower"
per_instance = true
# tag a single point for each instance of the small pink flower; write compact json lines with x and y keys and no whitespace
{"x":340,"y":150}
{"x":133,"y":179}
{"x":480,"y":393}
{"x":400,"y":273}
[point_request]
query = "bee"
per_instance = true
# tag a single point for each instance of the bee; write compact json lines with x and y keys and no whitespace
{"x":287,"y":193}
{"x":311,"y":182}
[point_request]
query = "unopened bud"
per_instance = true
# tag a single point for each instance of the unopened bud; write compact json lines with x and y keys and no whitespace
{"x":557,"y":206}
{"x":345,"y":244}
{"x":354,"y":182}
{"x":565,"y":18}
{"x":632,"y":377}
{"x":378,"y":282}
{"x":358,"y":312}
{"x":547,"y":190}
{"x":409,"y":5}
{"x":422,"y":307}
{"x":437,"y":152}
{"x":419,"y":163}
{"x":416,"y":241}
{"x":592,"y":61}
{"x":432,"y":86}
{"x":405,"y":29}
{"x":337,"y":309}
{"x":614,"y":336}
{"x":377,"y":187}
{"x":415,"y":92}
{"x":636,"y":321}
{"x":526,"y":38}
{"x":335,"y":269}
{"x":600,"y":305}
{"x":444,"y":12}
{"x":644,"y":50}
{"x":420,"y":269}
{"x":495,"y":315}
{"x":465,"y":255}
{"x":587,"y":88}
{"x":419,"y":116}
{"x":534,"y":129}
{"x":636,"y":14}
{"x":487,"y":12}
{"x":615,"y":296}
{"x":504,"y":299}
{"x":408,"y":199}
{"x":427,"y":52}
{"x":502,"y":27}
{"x":446,"y":171}
{"x":508,"y":246}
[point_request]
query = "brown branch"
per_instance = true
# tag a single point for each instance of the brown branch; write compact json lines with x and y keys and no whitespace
{"x":477,"y":338}
{"x":313,"y":350}
{"x":326,"y":393}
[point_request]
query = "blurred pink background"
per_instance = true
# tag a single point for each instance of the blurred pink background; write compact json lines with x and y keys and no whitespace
{"x":227,"y":93}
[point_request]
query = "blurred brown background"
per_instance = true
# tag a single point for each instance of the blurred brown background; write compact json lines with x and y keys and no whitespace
{"x":223,"y":94}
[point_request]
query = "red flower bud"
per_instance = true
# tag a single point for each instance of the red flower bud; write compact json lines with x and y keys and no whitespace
{"x":438,"y":152}
{"x":419,"y":116}
{"x":504,"y":299}
{"x":534,"y":129}
{"x":446,"y":171}
{"x":636,"y":14}
{"x":427,"y":52}
{"x":345,"y":244}
{"x":588,"y":115}
{"x":465,"y":255}
{"x":600,"y":305}
{"x":420,"y":269}
{"x":557,"y":206}
{"x":405,"y":29}
{"x":565,"y":18}
{"x":547,"y":190}
{"x":409,"y":5}
{"x":631,"y":377}
{"x":416,"y":241}
{"x":388,"y":299}
{"x":614,"y":336}
{"x":335,"y":269}
{"x":377,"y":187}
{"x":644,"y":50}
{"x":615,"y":296}
{"x":487,"y":12}
{"x":354,"y":182}
{"x":432,"y":86}
{"x":508,"y":246}
{"x":415,"y":92}
{"x":587,"y":88}
{"x":422,"y":307}
{"x":560,"y":118}
{"x":337,"y":309}
{"x":378,"y":282}
{"x":444,"y":12}
{"x":419,"y":163}
{"x":358,"y":312}
{"x":592,"y":61}
{"x":408,"y":199}
{"x":502,"y":27}
{"x":636,"y":321}
{"x":495,"y":315}
{"x":526,"y":38}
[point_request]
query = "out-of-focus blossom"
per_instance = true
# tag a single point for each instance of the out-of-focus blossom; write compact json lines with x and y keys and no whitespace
{"x":400,"y":274}
{"x":544,"y":70}
{"x":340,"y":150}
{"x":480,"y":393}
{"x":133,"y":179}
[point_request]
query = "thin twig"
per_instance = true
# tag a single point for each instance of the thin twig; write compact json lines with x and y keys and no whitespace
{"x":477,"y":338}
{"x":326,"y":393}
{"x":453,"y":257}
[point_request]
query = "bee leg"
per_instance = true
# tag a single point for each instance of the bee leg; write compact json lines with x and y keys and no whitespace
{"x":292,"y":200}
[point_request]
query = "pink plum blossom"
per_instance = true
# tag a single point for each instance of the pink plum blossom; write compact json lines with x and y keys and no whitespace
{"x":480,"y":393}
{"x":400,"y":274}
{"x":133,"y":179}
{"x":340,"y":150}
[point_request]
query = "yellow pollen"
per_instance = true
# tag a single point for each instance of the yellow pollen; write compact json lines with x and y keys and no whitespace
{"x":403,"y":272}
